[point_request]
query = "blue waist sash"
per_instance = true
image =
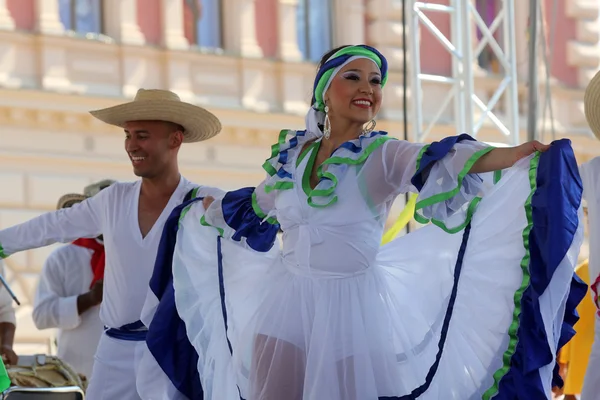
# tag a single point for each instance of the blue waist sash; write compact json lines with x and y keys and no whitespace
{"x":134,"y":332}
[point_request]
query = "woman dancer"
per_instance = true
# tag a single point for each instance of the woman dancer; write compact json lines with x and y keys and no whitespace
{"x":469,"y":307}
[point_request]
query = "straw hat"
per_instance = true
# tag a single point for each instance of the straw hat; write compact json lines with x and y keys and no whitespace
{"x":163,"y":105}
{"x":68,"y":200}
{"x":95,"y":188}
{"x":591,"y":104}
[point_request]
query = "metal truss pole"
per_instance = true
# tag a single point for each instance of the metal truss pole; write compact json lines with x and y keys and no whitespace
{"x":532,"y":117}
{"x":465,"y":51}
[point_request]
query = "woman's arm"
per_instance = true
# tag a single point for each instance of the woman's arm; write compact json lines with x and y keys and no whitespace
{"x":503,"y":158}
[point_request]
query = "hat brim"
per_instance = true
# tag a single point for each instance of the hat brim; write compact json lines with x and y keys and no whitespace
{"x":199,"y":124}
{"x":591,"y":104}
{"x":69,"y":200}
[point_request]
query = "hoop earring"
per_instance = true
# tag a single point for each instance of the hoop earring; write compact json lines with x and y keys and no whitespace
{"x":370,"y":127}
{"x":327,"y":124}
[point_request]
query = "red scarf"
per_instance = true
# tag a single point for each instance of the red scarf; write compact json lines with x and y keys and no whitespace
{"x":98,"y":258}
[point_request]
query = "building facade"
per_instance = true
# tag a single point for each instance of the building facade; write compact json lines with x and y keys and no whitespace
{"x":251,"y":62}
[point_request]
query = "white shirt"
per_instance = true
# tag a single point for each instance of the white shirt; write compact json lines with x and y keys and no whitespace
{"x":590,"y":176}
{"x":67,"y":273}
{"x":129,"y":257}
{"x":7,"y":311}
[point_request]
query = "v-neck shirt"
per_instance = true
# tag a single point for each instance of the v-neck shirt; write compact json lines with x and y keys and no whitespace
{"x":130,"y":257}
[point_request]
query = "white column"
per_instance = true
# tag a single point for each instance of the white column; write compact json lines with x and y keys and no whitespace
{"x":173,"y":34}
{"x":48,"y":18}
{"x":385,"y":30}
{"x":124,"y":27}
{"x":247,"y":18}
{"x":288,"y":40}
{"x":6,"y":20}
{"x":349,"y":22}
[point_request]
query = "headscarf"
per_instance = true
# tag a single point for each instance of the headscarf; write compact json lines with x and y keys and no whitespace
{"x":326,"y":73}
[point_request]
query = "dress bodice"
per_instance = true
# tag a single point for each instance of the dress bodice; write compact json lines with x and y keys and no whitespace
{"x":316,"y":240}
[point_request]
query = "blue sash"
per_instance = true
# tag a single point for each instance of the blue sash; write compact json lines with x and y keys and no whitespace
{"x":134,"y":332}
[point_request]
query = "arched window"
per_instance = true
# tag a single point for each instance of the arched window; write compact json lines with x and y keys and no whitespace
{"x":202,"y":23}
{"x":81,"y":16}
{"x":314,"y":28}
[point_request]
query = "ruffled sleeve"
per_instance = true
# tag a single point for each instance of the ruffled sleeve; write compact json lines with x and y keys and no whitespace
{"x":439,"y":172}
{"x":243,"y":215}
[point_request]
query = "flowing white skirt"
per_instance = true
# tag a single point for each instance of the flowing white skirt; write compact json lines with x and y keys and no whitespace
{"x":435,"y":316}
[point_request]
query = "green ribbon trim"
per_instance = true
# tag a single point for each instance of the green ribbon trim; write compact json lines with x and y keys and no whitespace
{"x":374,"y":145}
{"x":444,"y":196}
{"x":2,"y":253}
{"x":497,"y":176}
{"x":260,"y":213}
{"x":514,"y":326}
{"x":189,"y":206}
{"x":313,"y":150}
{"x":204,"y":223}
{"x":279,"y":186}
{"x":275,"y":150}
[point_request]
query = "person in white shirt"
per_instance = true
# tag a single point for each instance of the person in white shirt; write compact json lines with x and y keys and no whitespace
{"x":8,"y":323}
{"x":70,"y":291}
{"x":130,"y":216}
{"x":590,"y":177}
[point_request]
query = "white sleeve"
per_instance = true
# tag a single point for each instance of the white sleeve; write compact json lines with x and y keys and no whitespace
{"x":83,"y":220}
{"x":7,"y":311}
{"x":439,"y":172}
{"x":52,"y":307}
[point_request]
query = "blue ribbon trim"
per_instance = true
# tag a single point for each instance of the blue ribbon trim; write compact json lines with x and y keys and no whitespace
{"x":167,"y":337}
{"x":555,"y":206}
{"x":416,"y":393}
{"x":434,"y":153}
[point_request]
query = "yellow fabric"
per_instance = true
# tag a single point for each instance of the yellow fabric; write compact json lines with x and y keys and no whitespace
{"x":403,"y":219}
{"x":576,"y":353}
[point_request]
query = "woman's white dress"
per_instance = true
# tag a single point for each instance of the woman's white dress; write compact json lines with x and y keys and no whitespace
{"x":472,"y":306}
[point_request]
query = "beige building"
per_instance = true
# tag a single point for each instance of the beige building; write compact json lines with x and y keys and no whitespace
{"x":251,"y":62}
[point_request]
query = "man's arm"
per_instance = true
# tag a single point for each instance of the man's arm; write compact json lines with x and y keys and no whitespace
{"x":83,"y":220}
{"x":56,"y":306}
{"x":7,"y":336}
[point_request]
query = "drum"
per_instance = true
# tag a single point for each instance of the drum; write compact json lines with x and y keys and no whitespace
{"x":44,"y":371}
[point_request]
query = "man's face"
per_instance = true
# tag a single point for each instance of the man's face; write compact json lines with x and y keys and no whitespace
{"x":151,"y":146}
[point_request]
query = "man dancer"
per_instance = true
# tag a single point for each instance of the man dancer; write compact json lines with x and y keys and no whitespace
{"x":69,"y":293}
{"x":130,"y":216}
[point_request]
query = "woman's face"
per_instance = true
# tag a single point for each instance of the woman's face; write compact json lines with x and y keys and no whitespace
{"x":355,"y":92}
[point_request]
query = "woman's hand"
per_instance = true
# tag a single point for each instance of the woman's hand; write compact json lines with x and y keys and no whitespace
{"x":207,"y":201}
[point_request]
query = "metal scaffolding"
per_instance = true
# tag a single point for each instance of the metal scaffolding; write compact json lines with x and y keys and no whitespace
{"x":465,"y":51}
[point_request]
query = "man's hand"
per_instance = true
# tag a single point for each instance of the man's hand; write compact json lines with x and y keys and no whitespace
{"x":90,"y":299}
{"x":8,"y":355}
{"x":207,"y":201}
{"x":96,"y":292}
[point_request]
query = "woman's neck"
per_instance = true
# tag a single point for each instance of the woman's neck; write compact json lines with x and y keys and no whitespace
{"x":341,"y":133}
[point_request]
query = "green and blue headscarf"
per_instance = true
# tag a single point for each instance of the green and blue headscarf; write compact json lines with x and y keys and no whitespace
{"x":336,"y":62}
